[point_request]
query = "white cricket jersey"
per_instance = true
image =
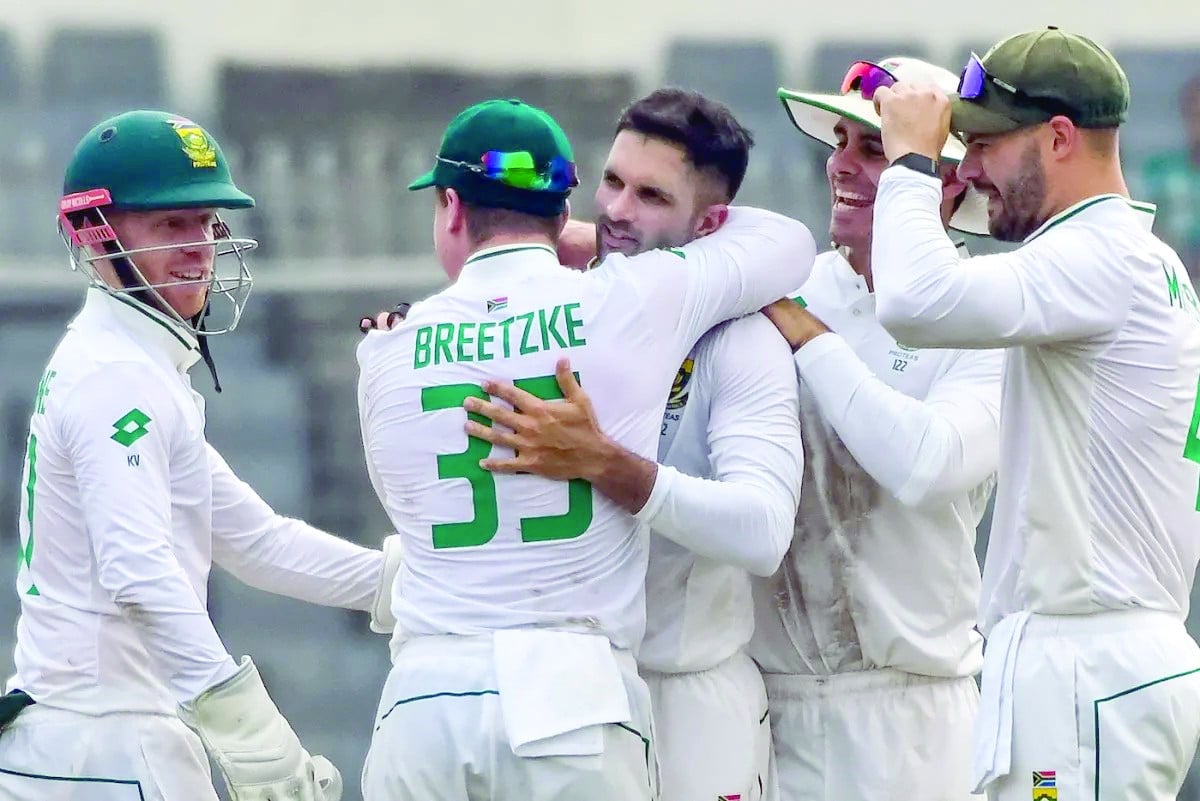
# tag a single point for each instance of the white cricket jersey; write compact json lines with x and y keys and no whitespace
{"x":124,"y":507}
{"x":485,"y":552}
{"x":1097,"y":507}
{"x":731,"y":438}
{"x":900,"y":448}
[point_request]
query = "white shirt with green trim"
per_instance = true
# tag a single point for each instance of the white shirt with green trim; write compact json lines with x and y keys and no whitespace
{"x":725,"y":498}
{"x":484,"y":552}
{"x":1097,"y":506}
{"x":124,"y":508}
{"x":901,"y":445}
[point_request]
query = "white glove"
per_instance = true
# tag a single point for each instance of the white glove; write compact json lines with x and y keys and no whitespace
{"x":382,"y":619}
{"x":255,"y":748}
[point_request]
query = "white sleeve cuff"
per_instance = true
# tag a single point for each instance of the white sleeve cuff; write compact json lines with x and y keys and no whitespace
{"x":663,"y":480}
{"x":832,"y":371}
{"x":817,"y":347}
{"x":899,"y":172}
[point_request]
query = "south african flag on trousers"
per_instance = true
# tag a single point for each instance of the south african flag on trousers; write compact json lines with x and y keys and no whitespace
{"x":1045,"y":787}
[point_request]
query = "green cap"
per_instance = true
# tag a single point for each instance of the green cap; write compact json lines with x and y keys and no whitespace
{"x":154,"y":160}
{"x":1054,"y":73}
{"x":507,"y":126}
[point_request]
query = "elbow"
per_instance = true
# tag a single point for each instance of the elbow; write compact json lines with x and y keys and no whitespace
{"x":139,"y":597}
{"x":939,"y":470}
{"x":801,"y":254}
{"x":787,"y":261}
{"x":918,"y":493}
{"x":766,"y":566}
{"x":777,"y":528}
{"x":904,"y":322}
{"x":127,"y":583}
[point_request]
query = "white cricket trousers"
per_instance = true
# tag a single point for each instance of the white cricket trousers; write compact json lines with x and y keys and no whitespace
{"x":49,"y":754}
{"x":714,"y":736}
{"x":440,"y":736}
{"x":1105,"y":707}
{"x":872,"y":735}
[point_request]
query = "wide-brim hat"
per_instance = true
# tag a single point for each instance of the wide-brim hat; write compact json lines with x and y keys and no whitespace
{"x":816,"y":114}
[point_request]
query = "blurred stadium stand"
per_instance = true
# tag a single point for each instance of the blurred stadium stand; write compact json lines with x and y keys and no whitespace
{"x":11,"y":83}
{"x":79,"y":65}
{"x":832,"y":58}
{"x":1155,"y":78}
{"x":328,"y":153}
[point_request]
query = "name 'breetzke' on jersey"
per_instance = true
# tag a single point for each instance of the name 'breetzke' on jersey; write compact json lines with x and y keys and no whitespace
{"x":483,"y":551}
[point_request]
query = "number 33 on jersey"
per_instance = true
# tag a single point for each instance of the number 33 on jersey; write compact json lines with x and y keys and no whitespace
{"x":485,"y":521}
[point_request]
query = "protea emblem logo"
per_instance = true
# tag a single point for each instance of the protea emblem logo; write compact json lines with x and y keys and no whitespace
{"x":196,"y":144}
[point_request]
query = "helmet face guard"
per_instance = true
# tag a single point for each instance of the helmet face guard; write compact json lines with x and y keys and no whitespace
{"x":91,"y":239}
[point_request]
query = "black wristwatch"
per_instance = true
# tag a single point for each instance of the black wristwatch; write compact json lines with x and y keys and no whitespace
{"x":922,"y":164}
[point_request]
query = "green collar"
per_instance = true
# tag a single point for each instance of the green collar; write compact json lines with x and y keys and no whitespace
{"x":504,"y":250}
{"x":1146,"y":212}
{"x":148,"y":327}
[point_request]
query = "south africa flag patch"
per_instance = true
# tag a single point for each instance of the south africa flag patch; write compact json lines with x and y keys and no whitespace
{"x":497,"y":304}
{"x":1045,"y":786}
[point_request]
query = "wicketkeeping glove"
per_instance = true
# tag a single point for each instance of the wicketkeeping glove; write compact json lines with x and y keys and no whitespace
{"x":258,"y":753}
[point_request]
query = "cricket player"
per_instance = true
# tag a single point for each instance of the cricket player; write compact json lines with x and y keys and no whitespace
{"x":866,"y":633}
{"x":521,"y":598}
{"x":722,"y":500}
{"x":122,"y":683}
{"x":1091,"y":685}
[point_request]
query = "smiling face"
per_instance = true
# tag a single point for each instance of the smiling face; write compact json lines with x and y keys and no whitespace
{"x":649,"y":196}
{"x":853,"y":169}
{"x":185,"y":264}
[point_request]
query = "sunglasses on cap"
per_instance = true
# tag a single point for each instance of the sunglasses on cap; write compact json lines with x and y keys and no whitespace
{"x":974,"y":76}
{"x":866,"y":77}
{"x":519,"y":171}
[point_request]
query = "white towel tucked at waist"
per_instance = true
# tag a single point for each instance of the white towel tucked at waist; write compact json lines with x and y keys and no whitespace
{"x":557,"y":690}
{"x":992,"y":755}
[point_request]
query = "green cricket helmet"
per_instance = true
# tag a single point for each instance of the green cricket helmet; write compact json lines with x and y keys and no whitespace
{"x":152,"y":161}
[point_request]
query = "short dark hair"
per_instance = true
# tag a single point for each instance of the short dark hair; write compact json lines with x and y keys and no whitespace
{"x":707,"y":130}
{"x":484,"y":222}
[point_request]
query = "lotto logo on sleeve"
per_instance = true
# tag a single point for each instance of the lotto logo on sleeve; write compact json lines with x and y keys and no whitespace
{"x":1045,"y":787}
{"x":131,"y":427}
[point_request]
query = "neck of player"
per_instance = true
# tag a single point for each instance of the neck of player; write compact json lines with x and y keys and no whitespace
{"x":511,"y":240}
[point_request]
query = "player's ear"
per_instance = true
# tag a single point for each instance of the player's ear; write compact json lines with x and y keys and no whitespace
{"x":711,"y":219}
{"x":1062,"y":137}
{"x":456,"y":212}
{"x":453,"y":211}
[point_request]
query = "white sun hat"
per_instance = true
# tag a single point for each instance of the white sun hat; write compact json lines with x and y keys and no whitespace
{"x":817,"y":114}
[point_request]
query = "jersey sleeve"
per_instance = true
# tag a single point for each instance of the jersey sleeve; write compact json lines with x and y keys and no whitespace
{"x":1055,"y":288}
{"x":282,"y":555}
{"x":745,"y":515}
{"x":119,"y":427}
{"x":754,"y":259}
{"x":366,"y":406}
{"x":919,"y":450}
